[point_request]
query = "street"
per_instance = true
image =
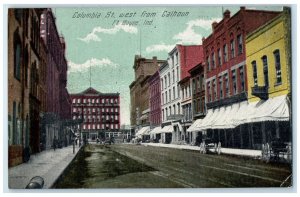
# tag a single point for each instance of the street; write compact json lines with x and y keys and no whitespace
{"x":138,"y":166}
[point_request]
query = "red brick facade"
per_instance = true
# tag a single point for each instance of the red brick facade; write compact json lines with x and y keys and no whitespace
{"x":225,"y":55}
{"x":155,"y":99}
{"x":100,"y":111}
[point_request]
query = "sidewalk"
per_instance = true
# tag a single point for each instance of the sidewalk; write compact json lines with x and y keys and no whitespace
{"x":48,"y":164}
{"x":230,"y":151}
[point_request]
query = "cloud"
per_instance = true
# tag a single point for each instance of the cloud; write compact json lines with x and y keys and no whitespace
{"x":189,"y":36}
{"x":159,"y":48}
{"x":94,"y":62}
{"x":94,"y":37}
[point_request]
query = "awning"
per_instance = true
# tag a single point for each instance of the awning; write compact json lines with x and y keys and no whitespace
{"x":143,"y":131}
{"x":273,"y":109}
{"x":167,"y":129}
{"x":194,"y":126}
{"x":144,"y":117}
{"x":156,"y":130}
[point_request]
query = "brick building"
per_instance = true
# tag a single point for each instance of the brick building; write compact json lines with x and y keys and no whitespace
{"x":226,"y":76}
{"x":139,"y":92}
{"x":190,"y":56}
{"x":58,"y":101}
{"x":198,"y":99}
{"x":154,"y":100}
{"x":26,"y":88}
{"x":100,"y":113}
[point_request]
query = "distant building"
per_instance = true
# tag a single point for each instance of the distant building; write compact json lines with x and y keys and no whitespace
{"x":139,"y":91}
{"x":154,"y":100}
{"x":100,"y":113}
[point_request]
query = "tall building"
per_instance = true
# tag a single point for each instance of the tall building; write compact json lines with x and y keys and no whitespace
{"x":154,"y":100}
{"x":100,"y":113}
{"x":269,"y":84}
{"x":58,"y":101}
{"x":198,"y":99}
{"x":25,"y":85}
{"x":176,"y":92}
{"x":139,"y":92}
{"x":226,"y":76}
{"x":190,"y":56}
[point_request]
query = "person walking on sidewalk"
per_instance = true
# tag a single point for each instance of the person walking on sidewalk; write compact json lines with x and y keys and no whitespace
{"x":54,"y":143}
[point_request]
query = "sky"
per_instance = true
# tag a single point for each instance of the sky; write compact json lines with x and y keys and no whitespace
{"x":105,"y":40}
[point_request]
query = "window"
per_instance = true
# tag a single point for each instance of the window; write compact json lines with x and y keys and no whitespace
{"x":208,"y":91}
{"x":116,"y":117}
{"x":74,"y":109}
{"x":93,"y":100}
{"x":178,"y":108}
{"x":240,"y":44}
{"x":94,"y":110}
{"x":234,"y":82}
{"x":221,"y":87}
{"x":207,"y":62}
{"x":178,"y":91}
{"x":17,"y":56}
{"x":166,"y":113}
{"x":266,"y":71}
{"x":166,"y":93}
{"x":242,"y":78}
{"x":74,"y":100}
{"x":170,"y":95}
{"x":254,"y":68}
{"x":78,"y":100}
{"x":232,"y":48}
{"x":165,"y":81}
{"x":213,"y":62}
{"x":225,"y":56}
{"x":116,"y":110}
{"x":102,"y":100}
{"x":174,"y":109}
{"x":169,"y":79}
{"x":84,"y":100}
{"x":102,"y":109}
{"x":163,"y":115}
{"x":176,"y":58}
{"x":162,"y":98}
{"x":226,"y":84}
{"x":173,"y":72}
{"x":174,"y":93}
{"x":277,"y":66}
{"x":177,"y":73}
{"x":162,"y":83}
{"x":194,"y":86}
{"x":215,"y":89}
{"x":219,"y":57}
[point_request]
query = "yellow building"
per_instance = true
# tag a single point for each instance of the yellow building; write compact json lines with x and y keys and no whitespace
{"x":268,"y":59}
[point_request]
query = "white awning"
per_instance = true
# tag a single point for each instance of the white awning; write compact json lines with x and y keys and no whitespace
{"x":167,"y":129}
{"x":194,"y":126}
{"x":156,"y":130}
{"x":273,"y":109}
{"x":143,"y":131}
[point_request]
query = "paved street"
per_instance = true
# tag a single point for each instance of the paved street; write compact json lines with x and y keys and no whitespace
{"x":191,"y":169}
{"x":138,"y":166}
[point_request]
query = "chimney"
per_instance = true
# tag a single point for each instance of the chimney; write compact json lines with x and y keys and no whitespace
{"x":214,"y":24}
{"x":226,"y":14}
{"x":242,"y":8}
{"x":154,"y":60}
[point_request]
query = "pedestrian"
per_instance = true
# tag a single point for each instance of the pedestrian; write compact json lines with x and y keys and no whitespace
{"x":54,"y":143}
